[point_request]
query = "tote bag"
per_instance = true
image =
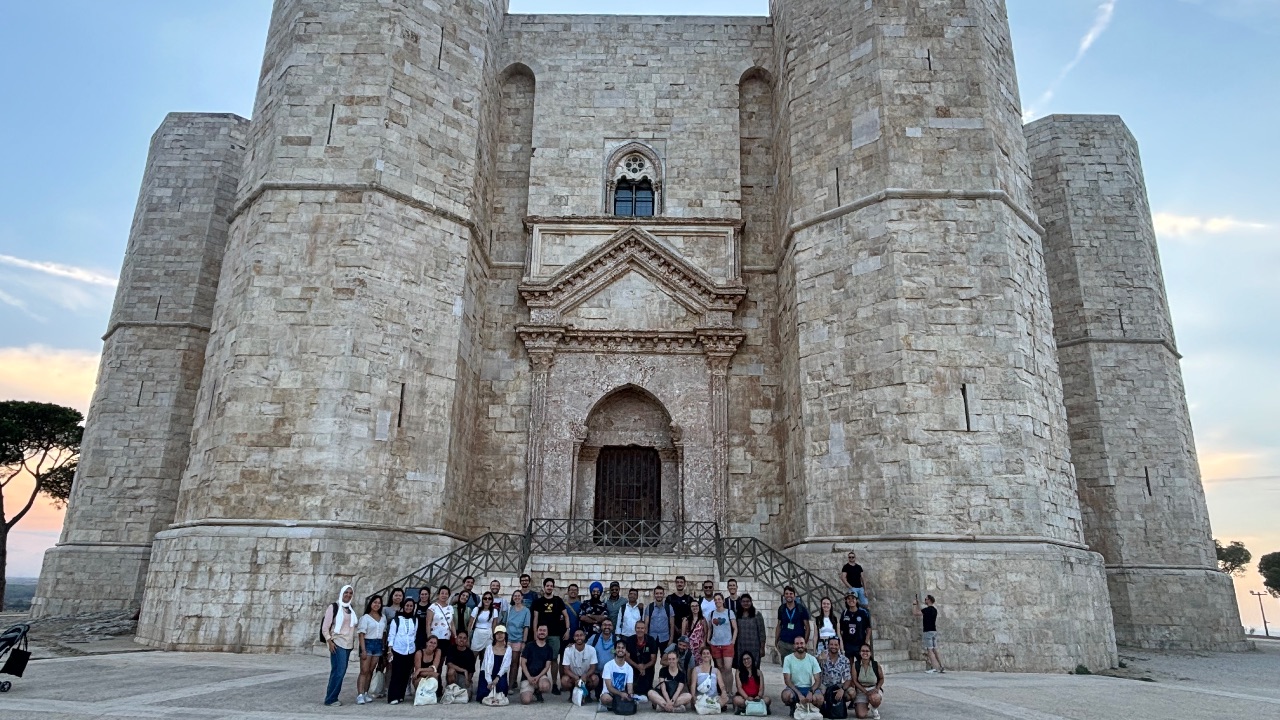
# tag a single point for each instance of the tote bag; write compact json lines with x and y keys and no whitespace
{"x":426,"y":694}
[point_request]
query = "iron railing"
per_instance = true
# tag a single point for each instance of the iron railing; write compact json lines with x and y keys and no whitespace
{"x":558,"y":536}
{"x":753,"y":557}
{"x":491,"y":553}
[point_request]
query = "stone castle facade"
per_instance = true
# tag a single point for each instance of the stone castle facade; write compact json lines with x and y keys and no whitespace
{"x":809,"y":273}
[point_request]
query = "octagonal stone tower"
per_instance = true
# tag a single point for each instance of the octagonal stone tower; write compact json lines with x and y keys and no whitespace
{"x":1134,"y":453}
{"x":927,"y":425}
{"x":346,"y":313}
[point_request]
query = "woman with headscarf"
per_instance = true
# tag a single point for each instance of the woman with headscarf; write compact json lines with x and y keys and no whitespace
{"x":339,"y":631}
{"x":402,"y":636}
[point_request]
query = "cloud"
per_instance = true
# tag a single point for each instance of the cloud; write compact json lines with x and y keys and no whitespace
{"x":12,"y":301}
{"x":45,"y":374}
{"x":1101,"y":21}
{"x":70,"y":272}
{"x":1169,"y":225}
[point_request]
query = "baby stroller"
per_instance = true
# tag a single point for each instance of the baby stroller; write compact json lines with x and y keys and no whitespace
{"x":18,"y":656}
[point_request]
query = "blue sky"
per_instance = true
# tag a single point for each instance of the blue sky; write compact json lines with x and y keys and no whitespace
{"x":1196,"y":80}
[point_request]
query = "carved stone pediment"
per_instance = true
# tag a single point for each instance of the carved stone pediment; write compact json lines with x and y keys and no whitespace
{"x":632,"y":250}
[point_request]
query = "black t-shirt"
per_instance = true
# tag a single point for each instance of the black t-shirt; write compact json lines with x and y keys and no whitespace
{"x":682,"y":608}
{"x":535,"y":657}
{"x":460,"y":656}
{"x":853,"y":573}
{"x":641,"y":654}
{"x":854,"y":625}
{"x":930,"y":618}
{"x":593,"y":607}
{"x":550,"y":612}
{"x":671,"y":683}
{"x":792,"y":621}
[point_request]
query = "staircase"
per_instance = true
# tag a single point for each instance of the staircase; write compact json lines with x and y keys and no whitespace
{"x":641,"y":555}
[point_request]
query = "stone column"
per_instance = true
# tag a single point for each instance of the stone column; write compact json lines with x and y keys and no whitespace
{"x":720,"y":347}
{"x":540,"y":342}
{"x":1132,"y":445}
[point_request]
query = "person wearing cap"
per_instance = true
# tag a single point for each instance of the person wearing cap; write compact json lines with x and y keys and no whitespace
{"x":494,"y":669}
{"x":581,"y":665}
{"x":684,"y":651}
{"x":594,"y":610}
{"x":615,"y":601}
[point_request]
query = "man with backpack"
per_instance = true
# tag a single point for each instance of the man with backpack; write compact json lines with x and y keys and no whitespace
{"x":660,"y":618}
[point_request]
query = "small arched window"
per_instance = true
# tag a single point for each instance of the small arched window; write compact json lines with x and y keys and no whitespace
{"x":633,"y":199}
{"x":634,"y":182}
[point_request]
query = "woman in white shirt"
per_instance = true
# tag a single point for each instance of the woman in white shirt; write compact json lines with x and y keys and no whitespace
{"x":402,"y":635}
{"x":483,"y":619}
{"x":371,"y":632}
{"x":828,"y":623}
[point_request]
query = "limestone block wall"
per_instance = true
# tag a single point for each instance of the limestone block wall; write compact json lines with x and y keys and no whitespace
{"x":928,"y":417}
{"x":671,"y":83}
{"x":1132,"y":443}
{"x":139,"y":424}
{"x":340,"y":376}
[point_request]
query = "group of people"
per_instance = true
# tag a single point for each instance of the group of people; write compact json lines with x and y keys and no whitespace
{"x":672,"y":651}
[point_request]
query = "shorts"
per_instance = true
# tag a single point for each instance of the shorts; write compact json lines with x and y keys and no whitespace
{"x":554,"y":642}
{"x":373,"y":648}
{"x":527,"y":687}
{"x":930,"y":639}
{"x":802,"y":691}
{"x":722,"y":652}
{"x":861,"y":698}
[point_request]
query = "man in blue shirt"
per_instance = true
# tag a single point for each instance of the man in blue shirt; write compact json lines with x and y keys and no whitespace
{"x":793,"y":622}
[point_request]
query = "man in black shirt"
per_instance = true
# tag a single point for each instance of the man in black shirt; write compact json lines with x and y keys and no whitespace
{"x":460,"y":662}
{"x":851,"y":574}
{"x":535,"y":667}
{"x":550,"y":611}
{"x":855,"y":626}
{"x":930,"y":628}
{"x":642,"y":656}
{"x":682,"y":608}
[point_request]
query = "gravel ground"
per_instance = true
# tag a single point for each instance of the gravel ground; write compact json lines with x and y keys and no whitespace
{"x":1256,"y":673}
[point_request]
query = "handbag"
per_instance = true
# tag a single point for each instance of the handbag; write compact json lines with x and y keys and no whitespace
{"x":455,"y":693}
{"x":378,"y":684}
{"x":707,"y":705}
{"x":426,"y":694}
{"x":756,"y":708}
{"x":624,"y":705}
{"x":835,"y":709}
{"x":807,"y":712}
{"x":579,"y":694}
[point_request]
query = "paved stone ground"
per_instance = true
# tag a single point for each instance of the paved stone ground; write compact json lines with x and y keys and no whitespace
{"x":284,"y":687}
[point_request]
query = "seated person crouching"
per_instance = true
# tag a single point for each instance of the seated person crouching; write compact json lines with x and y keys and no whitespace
{"x":868,"y":682}
{"x":750,"y":684}
{"x":494,"y":669}
{"x":803,"y":677}
{"x":618,"y":676}
{"x":536,"y":661}
{"x":670,"y":691}
{"x":580,"y":665}
{"x":837,"y":682}
{"x":460,"y":662}
{"x":429,"y":660}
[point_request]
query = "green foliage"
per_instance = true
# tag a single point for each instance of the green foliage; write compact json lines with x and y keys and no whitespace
{"x":1232,"y":559}
{"x":42,"y":440}
{"x":1082,"y":670}
{"x":1269,"y":568}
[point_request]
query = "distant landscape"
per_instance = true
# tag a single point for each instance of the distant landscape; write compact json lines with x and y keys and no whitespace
{"x":18,"y":593}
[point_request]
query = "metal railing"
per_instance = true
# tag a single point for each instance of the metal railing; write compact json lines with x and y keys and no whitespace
{"x":552,"y":536}
{"x":488,"y":554}
{"x":753,"y":557}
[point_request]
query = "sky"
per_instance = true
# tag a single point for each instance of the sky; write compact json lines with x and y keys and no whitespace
{"x":87,"y":82}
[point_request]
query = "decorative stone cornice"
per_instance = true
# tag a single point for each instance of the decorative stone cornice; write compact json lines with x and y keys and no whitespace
{"x":632,"y":249}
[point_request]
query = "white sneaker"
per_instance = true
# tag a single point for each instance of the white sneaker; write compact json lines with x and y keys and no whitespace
{"x":360,"y":699}
{"x":875,"y":714}
{"x":931,"y":670}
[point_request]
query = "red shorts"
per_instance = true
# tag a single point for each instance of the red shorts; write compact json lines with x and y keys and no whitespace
{"x":720,"y":652}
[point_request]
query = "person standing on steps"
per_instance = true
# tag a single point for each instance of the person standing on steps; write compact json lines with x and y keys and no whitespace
{"x":851,"y":576}
{"x":573,"y":603}
{"x":530,"y":595}
{"x":827,"y":625}
{"x":339,"y":631}
{"x":731,"y":600}
{"x":855,"y":626}
{"x":495,"y":588}
{"x":929,"y":614}
{"x":793,"y":623}
{"x":550,"y":612}
{"x":708,"y":602}
{"x":615,"y":601}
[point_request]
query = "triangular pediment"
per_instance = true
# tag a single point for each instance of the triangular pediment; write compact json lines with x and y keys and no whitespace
{"x":632,"y":250}
{"x":631,"y":301}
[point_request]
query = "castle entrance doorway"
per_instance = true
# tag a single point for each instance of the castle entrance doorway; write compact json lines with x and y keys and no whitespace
{"x":628,"y":495}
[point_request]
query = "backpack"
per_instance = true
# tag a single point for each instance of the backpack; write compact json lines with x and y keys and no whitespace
{"x":334,"y":607}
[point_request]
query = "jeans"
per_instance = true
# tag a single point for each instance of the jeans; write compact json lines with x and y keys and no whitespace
{"x":862,"y":595}
{"x":337,"y":670}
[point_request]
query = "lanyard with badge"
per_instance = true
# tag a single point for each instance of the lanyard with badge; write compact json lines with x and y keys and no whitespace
{"x":791,"y":616}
